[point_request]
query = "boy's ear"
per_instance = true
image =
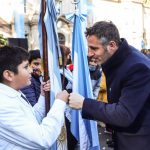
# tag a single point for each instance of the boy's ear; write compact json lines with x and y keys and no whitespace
{"x":8,"y":75}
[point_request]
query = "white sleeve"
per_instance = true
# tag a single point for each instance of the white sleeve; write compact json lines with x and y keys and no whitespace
{"x":22,"y":128}
{"x":39,"y":108}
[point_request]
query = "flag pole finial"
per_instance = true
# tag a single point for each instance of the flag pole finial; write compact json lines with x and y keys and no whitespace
{"x":76,"y":2}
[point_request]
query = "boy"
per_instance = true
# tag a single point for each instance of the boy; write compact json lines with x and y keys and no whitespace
{"x":23,"y":127}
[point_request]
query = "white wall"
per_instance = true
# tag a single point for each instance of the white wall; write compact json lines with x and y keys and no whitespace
{"x":127,"y":16}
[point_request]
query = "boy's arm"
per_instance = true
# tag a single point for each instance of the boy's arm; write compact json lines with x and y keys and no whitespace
{"x":20,"y":127}
{"x":39,"y":108}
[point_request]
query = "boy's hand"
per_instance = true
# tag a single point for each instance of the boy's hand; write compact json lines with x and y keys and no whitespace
{"x":45,"y":86}
{"x":64,"y":95}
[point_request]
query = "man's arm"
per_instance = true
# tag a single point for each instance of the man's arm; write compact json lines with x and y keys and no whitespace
{"x":134,"y":95}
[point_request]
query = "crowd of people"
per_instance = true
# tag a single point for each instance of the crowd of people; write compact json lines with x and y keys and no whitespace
{"x":120,"y":77}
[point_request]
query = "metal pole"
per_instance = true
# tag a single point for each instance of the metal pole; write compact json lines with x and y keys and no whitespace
{"x":45,"y":56}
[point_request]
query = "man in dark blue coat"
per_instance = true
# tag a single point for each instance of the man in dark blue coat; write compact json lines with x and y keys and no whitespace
{"x":127,"y":74}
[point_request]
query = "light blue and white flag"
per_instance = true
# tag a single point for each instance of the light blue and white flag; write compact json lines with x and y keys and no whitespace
{"x":53,"y":50}
{"x":85,"y":131}
{"x":19,"y":19}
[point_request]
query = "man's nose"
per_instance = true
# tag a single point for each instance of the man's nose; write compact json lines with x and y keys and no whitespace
{"x":90,"y":53}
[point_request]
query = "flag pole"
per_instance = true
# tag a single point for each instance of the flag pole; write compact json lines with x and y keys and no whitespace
{"x":45,"y":57}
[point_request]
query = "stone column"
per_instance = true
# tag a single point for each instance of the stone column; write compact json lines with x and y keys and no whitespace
{"x":33,"y":34}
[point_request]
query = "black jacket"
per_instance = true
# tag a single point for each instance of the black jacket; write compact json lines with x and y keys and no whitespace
{"x":128,"y":89}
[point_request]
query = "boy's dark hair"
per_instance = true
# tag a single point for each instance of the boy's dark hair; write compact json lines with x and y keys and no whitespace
{"x":10,"y":58}
{"x":106,"y":31}
{"x":34,"y":54}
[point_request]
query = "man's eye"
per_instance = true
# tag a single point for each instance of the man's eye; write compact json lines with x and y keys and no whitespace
{"x":94,"y":48}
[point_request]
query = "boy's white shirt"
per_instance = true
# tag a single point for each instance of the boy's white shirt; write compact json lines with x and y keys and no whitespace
{"x":23,"y":127}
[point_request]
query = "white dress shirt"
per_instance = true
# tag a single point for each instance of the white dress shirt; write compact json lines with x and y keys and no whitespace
{"x":23,"y":127}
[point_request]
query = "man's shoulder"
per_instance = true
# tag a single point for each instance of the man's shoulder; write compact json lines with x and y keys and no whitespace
{"x":137,"y":57}
{"x":134,"y":59}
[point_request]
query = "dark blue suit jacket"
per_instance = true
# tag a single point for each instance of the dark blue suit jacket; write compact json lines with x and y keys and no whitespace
{"x":128,"y":88}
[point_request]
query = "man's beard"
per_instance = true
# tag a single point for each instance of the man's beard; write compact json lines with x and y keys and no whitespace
{"x":106,"y":56}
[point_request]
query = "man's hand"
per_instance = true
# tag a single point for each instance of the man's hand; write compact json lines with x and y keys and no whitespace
{"x":76,"y":101}
{"x":64,"y":95}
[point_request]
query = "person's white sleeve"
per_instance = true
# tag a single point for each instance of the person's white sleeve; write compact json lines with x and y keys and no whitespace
{"x":39,"y":108}
{"x":23,"y":130}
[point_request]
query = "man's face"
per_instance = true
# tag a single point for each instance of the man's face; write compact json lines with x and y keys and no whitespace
{"x":23,"y":77}
{"x":96,"y":51}
{"x":36,"y":67}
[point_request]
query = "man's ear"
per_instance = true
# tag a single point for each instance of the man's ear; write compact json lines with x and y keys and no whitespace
{"x":112,"y":47}
{"x":8,"y":75}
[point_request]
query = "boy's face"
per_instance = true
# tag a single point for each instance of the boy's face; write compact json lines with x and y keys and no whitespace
{"x":23,"y":78}
{"x":36,"y":67}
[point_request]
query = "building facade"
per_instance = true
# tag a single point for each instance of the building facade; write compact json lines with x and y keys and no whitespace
{"x":132,"y":17}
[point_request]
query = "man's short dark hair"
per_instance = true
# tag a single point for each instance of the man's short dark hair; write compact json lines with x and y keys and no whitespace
{"x":10,"y":58}
{"x":34,"y":54}
{"x":106,"y":31}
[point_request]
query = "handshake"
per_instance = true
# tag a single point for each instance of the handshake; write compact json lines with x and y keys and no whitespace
{"x":74,"y":100}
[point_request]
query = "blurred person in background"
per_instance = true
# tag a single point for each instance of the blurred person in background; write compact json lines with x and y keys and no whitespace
{"x":146,"y":52}
{"x":95,"y":75}
{"x":66,"y":78}
{"x":32,"y":91}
